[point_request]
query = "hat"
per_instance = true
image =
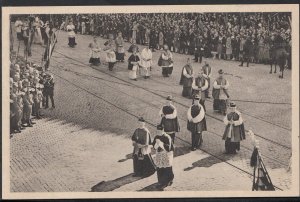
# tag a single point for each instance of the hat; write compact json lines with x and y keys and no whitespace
{"x":170,"y":97}
{"x":141,"y":119}
{"x":232,"y":104}
{"x":221,"y":71}
{"x":197,"y":97}
{"x":159,"y":127}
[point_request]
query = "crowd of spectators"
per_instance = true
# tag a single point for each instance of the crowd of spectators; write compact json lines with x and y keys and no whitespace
{"x":30,"y":89}
{"x":215,"y":34}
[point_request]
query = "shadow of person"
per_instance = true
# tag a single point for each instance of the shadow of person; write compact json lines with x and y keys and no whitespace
{"x":152,"y":187}
{"x":208,"y":161}
{"x":106,"y":186}
{"x":179,"y":151}
{"x":127,"y":157}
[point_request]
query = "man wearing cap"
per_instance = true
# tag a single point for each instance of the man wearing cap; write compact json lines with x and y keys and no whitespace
{"x":164,"y":148}
{"x":196,"y":123}
{"x":146,"y":61}
{"x":199,"y":87}
{"x":28,"y":101}
{"x":186,"y":79}
{"x":143,"y":165}
{"x":169,"y":119}
{"x":207,"y":74}
{"x":49,"y":90}
{"x":234,"y":130}
{"x":220,"y":93}
{"x":166,"y":62}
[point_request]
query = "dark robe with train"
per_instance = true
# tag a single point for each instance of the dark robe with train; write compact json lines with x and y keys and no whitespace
{"x":186,"y":82}
{"x":196,"y":123}
{"x":142,"y":161}
{"x":164,"y":159}
{"x":234,"y":133}
{"x":169,"y":120}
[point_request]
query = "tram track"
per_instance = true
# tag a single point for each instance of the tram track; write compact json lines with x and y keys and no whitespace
{"x":127,"y":83}
{"x":179,"y":103}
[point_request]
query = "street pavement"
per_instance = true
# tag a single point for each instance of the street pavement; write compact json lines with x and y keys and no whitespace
{"x":84,"y":143}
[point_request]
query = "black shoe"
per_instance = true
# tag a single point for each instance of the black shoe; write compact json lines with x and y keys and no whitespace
{"x":240,"y":65}
{"x":23,"y":125}
{"x":193,"y":149}
{"x":145,"y":77}
{"x":53,"y":106}
{"x":32,"y":122}
{"x":29,"y":125}
{"x":21,"y":128}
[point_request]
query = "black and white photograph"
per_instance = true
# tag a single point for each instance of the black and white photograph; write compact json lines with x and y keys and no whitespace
{"x":150,"y":101}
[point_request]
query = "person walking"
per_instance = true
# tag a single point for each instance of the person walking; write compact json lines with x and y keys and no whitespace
{"x":187,"y":79}
{"x":234,"y":131}
{"x":143,"y":165}
{"x":164,"y":149}
{"x":220,"y":93}
{"x":169,"y":119}
{"x":133,"y":65}
{"x":146,"y":61}
{"x":196,"y":123}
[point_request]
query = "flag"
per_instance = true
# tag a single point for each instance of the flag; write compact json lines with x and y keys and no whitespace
{"x":50,"y":47}
{"x":261,"y":182}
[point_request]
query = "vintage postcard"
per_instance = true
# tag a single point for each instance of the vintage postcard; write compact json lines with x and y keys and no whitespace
{"x":150,"y":101}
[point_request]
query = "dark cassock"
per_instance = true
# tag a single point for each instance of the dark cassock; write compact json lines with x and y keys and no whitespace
{"x":169,"y":119}
{"x":234,"y":130}
{"x":166,"y":62}
{"x":199,"y":86}
{"x":120,"y":49}
{"x":196,"y":123}
{"x":220,"y":93}
{"x":207,"y":74}
{"x":186,"y":80}
{"x":164,"y":158}
{"x":143,"y":165}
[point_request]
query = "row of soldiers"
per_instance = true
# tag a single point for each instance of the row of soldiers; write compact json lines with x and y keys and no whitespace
{"x":30,"y":90}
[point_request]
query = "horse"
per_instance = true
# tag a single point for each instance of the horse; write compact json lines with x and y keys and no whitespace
{"x":279,"y":56}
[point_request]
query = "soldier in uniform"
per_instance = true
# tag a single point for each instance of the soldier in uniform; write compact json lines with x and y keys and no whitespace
{"x":199,"y":87}
{"x":234,"y":130}
{"x":207,"y":74}
{"x":220,"y":93}
{"x":196,"y":123}
{"x":169,"y":119}
{"x":246,"y":52}
{"x":28,"y":102}
{"x":143,"y":165}
{"x":49,"y":90}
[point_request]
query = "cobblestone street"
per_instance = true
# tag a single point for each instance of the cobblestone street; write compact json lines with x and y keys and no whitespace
{"x":84,"y":143}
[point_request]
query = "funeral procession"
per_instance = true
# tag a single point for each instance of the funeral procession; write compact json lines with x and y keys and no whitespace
{"x":139,"y":102}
